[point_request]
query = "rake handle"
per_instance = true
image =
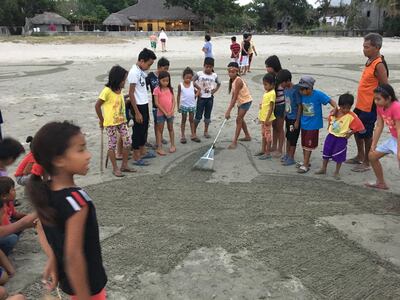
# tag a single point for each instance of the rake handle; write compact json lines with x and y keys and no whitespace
{"x":219,"y":132}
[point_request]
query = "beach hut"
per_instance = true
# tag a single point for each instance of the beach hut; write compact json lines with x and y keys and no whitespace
{"x":117,"y":22}
{"x":49,"y":21}
{"x":152,"y":15}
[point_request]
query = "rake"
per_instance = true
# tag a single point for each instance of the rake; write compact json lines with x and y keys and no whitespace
{"x":206,"y":162}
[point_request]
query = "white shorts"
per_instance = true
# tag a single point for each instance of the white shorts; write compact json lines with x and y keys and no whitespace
{"x":244,"y":61}
{"x":388,"y":147}
{"x":236,"y":60}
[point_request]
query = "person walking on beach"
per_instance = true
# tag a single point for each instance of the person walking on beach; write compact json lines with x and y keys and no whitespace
{"x":153,"y":42}
{"x":235,"y":50}
{"x":244,"y":58}
{"x":207,"y":48}
{"x":252,"y":51}
{"x":163,"y":39}
{"x":70,"y":235}
{"x":375,"y":72}
{"x":140,"y":105}
{"x":240,"y":96}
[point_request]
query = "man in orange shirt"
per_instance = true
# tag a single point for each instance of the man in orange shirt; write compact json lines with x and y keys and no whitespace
{"x":374,"y":74}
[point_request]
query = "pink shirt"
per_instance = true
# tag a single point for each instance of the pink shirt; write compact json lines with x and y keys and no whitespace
{"x":165,"y":100}
{"x":390,"y":115}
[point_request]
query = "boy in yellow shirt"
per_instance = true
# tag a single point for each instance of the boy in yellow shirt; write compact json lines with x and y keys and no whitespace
{"x":266,"y":116}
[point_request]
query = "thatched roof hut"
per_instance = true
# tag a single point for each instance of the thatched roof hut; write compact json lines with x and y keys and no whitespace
{"x":117,"y":19}
{"x":48,"y":18}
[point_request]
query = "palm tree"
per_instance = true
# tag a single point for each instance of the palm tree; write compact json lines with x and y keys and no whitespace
{"x":392,"y":6}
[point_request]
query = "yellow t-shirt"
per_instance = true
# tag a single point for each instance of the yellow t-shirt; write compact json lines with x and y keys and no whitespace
{"x":113,"y":107}
{"x":268,"y":98}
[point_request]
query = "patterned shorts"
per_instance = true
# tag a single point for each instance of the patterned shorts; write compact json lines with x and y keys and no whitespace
{"x":266,"y":131}
{"x":113,"y":132}
{"x":186,"y":109}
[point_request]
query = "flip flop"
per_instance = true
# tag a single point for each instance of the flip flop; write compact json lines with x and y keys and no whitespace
{"x":161,"y":153}
{"x":118,"y":158}
{"x":149,"y":155}
{"x":118,"y":175}
{"x":379,"y":186}
{"x":259,"y":153}
{"x":183,"y":141}
{"x":244,"y":139}
{"x":353,"y":161}
{"x":303,"y":170}
{"x":265,"y":157}
{"x":288,"y":162}
{"x":128,"y":170}
{"x":196,"y":139}
{"x":140,"y":163}
{"x":361,"y":169}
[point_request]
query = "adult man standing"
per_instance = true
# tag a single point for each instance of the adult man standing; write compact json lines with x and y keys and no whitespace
{"x":140,"y":105}
{"x":375,"y":73}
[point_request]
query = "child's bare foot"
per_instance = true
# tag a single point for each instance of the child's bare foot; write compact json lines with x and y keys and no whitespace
{"x":172,"y":149}
{"x":336,"y":176}
{"x":320,"y":172}
{"x":161,"y":152}
{"x":276,"y":154}
{"x":232,"y":146}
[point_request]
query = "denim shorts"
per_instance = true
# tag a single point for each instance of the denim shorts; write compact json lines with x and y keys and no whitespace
{"x":279,"y":110}
{"x":368,"y":119}
{"x":245,"y":106}
{"x":163,"y":118}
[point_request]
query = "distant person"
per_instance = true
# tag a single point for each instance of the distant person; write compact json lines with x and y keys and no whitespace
{"x":163,"y":39}
{"x":242,"y":98}
{"x":208,"y":83}
{"x":244,"y":58}
{"x":252,"y":51}
{"x":67,"y":214}
{"x":388,"y":109}
{"x":151,"y":83}
{"x":110,"y":109}
{"x":375,"y":73}
{"x":293,"y":115}
{"x":342,"y":126}
{"x":311,"y":119}
{"x":165,"y":101}
{"x":273,"y":66}
{"x":153,"y":42}
{"x":235,"y":50}
{"x":140,"y":105}
{"x":186,"y":102}
{"x":266,"y":116}
{"x":207,"y":48}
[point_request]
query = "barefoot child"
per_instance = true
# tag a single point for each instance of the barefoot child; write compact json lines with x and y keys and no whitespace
{"x":388,"y":109}
{"x":266,"y":116}
{"x":208,"y":83}
{"x":240,"y":96}
{"x":341,"y":126}
{"x":293,"y":115}
{"x":186,"y":101}
{"x":113,"y":118}
{"x":165,"y":102}
{"x":67,"y":213}
{"x":311,"y":119}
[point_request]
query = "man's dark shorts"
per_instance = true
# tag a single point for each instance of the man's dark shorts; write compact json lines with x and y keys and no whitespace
{"x":369,"y":120}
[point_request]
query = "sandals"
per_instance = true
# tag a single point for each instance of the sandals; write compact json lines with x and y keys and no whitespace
{"x":361,"y":169}
{"x":183,"y":140}
{"x":140,"y":163}
{"x":379,"y":186}
{"x":118,"y":174}
{"x":127,"y":170}
{"x":245,"y":139}
{"x":149,"y":155}
{"x":195,"y":139}
{"x":265,"y":157}
{"x":303,"y":170}
{"x":353,"y":161}
{"x":259,"y":153}
{"x":288,"y":162}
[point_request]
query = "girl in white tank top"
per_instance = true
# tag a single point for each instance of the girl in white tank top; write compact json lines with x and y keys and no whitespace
{"x":187,"y":97}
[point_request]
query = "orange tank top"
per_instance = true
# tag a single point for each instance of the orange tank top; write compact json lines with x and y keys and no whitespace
{"x":244,"y":93}
{"x":368,"y":83}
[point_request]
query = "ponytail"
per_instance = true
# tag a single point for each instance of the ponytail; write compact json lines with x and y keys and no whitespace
{"x":39,"y":195}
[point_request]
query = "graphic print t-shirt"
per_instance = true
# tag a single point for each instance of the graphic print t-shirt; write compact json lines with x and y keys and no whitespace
{"x":311,"y":118}
{"x":206,"y":82}
{"x":390,"y":116}
{"x":339,"y":127}
{"x":138,"y":77}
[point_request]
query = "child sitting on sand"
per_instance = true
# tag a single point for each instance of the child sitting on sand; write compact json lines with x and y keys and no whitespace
{"x":110,"y":109}
{"x":8,"y":214}
{"x":208,"y":83}
{"x":165,"y":102}
{"x":311,"y":119}
{"x":388,"y":109}
{"x":27,"y":167}
{"x":342,"y":125}
{"x":186,"y":101}
{"x":266,"y":116}
{"x":10,"y":150}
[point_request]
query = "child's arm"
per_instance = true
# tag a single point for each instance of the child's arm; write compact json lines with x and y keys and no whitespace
{"x":22,"y":224}
{"x":238,"y":87}
{"x":254,"y":50}
{"x":27,"y":169}
{"x":18,"y":215}
{"x":138,"y":115}
{"x":98,"y":105}
{"x":75,"y":262}
{"x":269,"y":113}
{"x":398,"y":139}
{"x":6,"y":264}
{"x":298,"y":116}
{"x":213,"y":91}
{"x":178,"y":97}
{"x":173,"y":105}
{"x":377,"y":132}
{"x":50,"y":274}
{"x":159,"y":106}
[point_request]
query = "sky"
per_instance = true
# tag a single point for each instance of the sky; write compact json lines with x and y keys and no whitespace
{"x":312,"y":2}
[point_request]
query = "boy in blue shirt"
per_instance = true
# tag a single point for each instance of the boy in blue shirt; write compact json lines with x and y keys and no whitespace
{"x":311,"y":119}
{"x":293,"y":115}
{"x":207,"y":48}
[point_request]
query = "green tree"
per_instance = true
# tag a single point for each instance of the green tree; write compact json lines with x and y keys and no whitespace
{"x":13,"y":12}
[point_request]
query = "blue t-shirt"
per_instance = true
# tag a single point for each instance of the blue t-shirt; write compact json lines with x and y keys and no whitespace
{"x":292,"y":101}
{"x":311,"y":118}
{"x":208,"y":47}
